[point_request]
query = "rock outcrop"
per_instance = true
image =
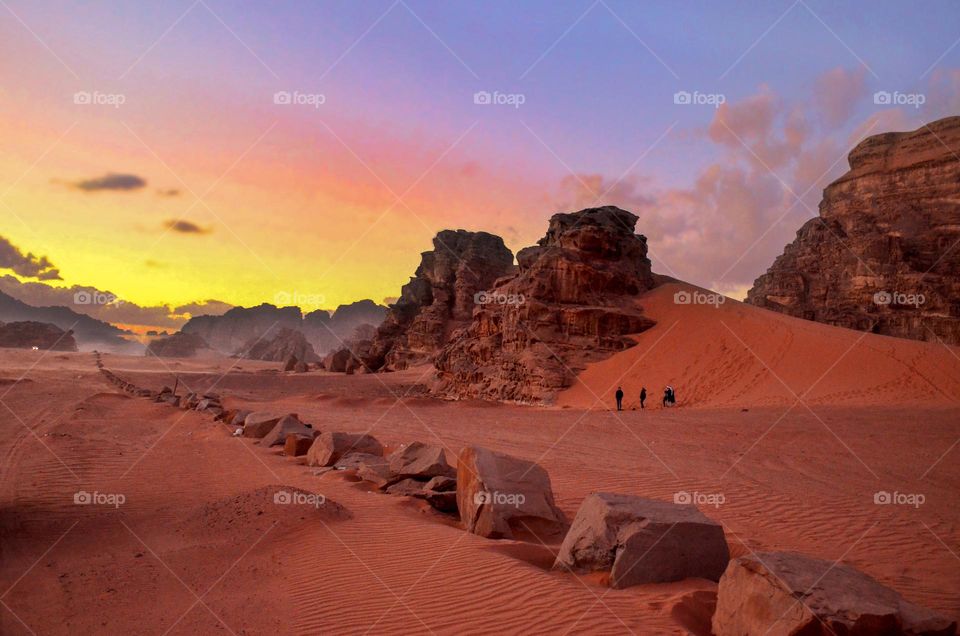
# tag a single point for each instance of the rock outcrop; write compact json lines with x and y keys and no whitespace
{"x":179,"y":345}
{"x":242,"y":327}
{"x":499,"y":495}
{"x":42,"y":335}
{"x":439,"y":298}
{"x":281,"y":344}
{"x":642,"y":540}
{"x":783,"y":593}
{"x":882,"y":256}
{"x":572,"y":301}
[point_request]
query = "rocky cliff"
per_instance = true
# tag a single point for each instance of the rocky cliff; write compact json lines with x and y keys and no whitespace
{"x":883,"y":254}
{"x":439,"y":298}
{"x":572,"y":301}
{"x":242,"y":326}
{"x":42,"y":335}
{"x":281,"y":346}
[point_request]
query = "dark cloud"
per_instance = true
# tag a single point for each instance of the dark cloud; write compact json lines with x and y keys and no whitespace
{"x":185,"y":227}
{"x":170,"y":192}
{"x":27,"y":264}
{"x":209,"y":307}
{"x":111,"y":181}
{"x":107,"y":306}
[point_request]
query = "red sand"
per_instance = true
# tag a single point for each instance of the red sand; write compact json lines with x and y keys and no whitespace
{"x":199,"y":547}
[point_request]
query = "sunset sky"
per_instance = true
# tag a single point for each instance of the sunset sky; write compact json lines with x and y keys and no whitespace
{"x":184,"y":181}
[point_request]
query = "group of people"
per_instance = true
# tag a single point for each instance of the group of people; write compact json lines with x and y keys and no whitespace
{"x":669,"y":397}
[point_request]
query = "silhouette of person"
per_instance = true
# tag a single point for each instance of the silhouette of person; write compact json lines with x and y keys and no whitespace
{"x":643,"y":396}
{"x":619,"y":398}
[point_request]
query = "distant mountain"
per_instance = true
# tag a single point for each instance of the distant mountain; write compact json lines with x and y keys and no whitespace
{"x":241,"y":326}
{"x":89,"y":332}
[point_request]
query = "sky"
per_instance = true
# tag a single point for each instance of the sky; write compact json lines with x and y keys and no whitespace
{"x":160,"y":160}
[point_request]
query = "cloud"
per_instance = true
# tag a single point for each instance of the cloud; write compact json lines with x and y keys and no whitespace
{"x":208,"y":307}
{"x":107,"y":306}
{"x":111,"y":181}
{"x":27,"y":264}
{"x":185,"y":227}
{"x":733,"y":220}
{"x":169,"y":192}
{"x":837,"y":92}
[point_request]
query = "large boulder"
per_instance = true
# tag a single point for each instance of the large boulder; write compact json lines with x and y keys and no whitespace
{"x":498,"y":495}
{"x":573,"y":300}
{"x":439,"y":298}
{"x":297,"y":445}
{"x":642,"y":540}
{"x":259,"y":423}
{"x":879,"y":257}
{"x":287,"y":425}
{"x":784,"y":593}
{"x":330,"y":446}
{"x":340,"y":360}
{"x":420,"y":461}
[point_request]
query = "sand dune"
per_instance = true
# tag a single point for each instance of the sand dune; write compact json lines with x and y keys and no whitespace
{"x":737,"y":355}
{"x":197,"y":547}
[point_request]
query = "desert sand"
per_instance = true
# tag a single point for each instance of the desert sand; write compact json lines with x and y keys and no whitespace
{"x":784,"y":432}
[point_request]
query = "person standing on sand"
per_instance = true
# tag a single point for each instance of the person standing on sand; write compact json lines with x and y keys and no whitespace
{"x":619,"y":398}
{"x":643,"y":396}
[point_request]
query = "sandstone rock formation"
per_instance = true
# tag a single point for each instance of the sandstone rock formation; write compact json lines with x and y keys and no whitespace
{"x":642,"y":540}
{"x":439,"y":298}
{"x":240,"y":327}
{"x":571,"y":302}
{"x":782,"y":593}
{"x":42,"y":335}
{"x":280,"y":345}
{"x":498,"y":495}
{"x":882,"y":256}
{"x":179,"y":345}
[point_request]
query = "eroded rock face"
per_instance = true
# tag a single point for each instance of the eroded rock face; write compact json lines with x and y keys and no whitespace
{"x":439,"y":298}
{"x":641,"y":540}
{"x":179,"y":345}
{"x":572,"y":301}
{"x":884,"y":238}
{"x":498,"y":495}
{"x":280,"y":345}
{"x":784,"y":593}
{"x":42,"y":335}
